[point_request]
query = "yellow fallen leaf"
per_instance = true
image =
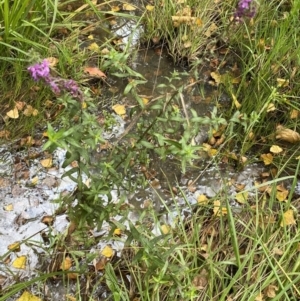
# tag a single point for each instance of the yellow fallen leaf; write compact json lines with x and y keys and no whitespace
{"x":66,"y":264}
{"x":270,"y":291}
{"x":119,"y":109}
{"x":287,"y":135}
{"x":128,"y":7}
{"x":202,"y":199}
{"x":217,"y":77}
{"x":26,"y":296}
{"x":84,"y":105}
{"x":20,"y":262}
{"x":219,"y":211}
{"x":47,"y":163}
{"x":94,"y":47}
{"x":271,"y":107}
{"x":34,"y":180}
{"x":211,"y":29}
{"x":281,"y":82}
{"x":288,"y":218}
{"x":150,"y":7}
{"x":107,"y":251}
{"x":282,"y":195}
{"x":9,"y":207}
{"x":275,"y":149}
{"x":267,"y":158}
{"x":165,"y":229}
{"x":14,"y":113}
{"x":52,"y":61}
{"x":294,"y":114}
{"x":115,"y":8}
{"x":30,"y":111}
{"x":117,"y":232}
{"x":235,"y":101}
{"x":242,"y":197}
{"x":15,"y":247}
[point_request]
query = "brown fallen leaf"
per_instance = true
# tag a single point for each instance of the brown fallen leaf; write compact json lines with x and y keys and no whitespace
{"x":94,"y":72}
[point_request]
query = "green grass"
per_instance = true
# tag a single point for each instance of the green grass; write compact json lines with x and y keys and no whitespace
{"x":243,"y":255}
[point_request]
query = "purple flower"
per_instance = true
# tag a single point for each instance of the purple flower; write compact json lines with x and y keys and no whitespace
{"x":57,"y":84}
{"x":53,"y":85}
{"x":245,"y":9}
{"x":40,"y":70}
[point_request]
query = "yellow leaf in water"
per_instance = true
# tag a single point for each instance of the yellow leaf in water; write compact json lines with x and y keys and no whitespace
{"x":119,"y":109}
{"x":26,"y":296}
{"x":14,"y":113}
{"x":47,"y":163}
{"x":9,"y":207}
{"x":287,"y":135}
{"x":165,"y":229}
{"x":20,"y":262}
{"x":282,"y":195}
{"x":267,"y":158}
{"x":128,"y":7}
{"x":219,"y":211}
{"x":107,"y":251}
{"x":275,"y":149}
{"x":202,"y":199}
{"x":235,"y":101}
{"x":150,"y":7}
{"x":288,"y":218}
{"x":94,"y":47}
{"x":242,"y":197}
{"x":66,"y":264}
{"x":15,"y":247}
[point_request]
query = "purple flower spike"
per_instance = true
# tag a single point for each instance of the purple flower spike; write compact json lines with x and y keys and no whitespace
{"x":245,"y":9}
{"x":40,"y":70}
